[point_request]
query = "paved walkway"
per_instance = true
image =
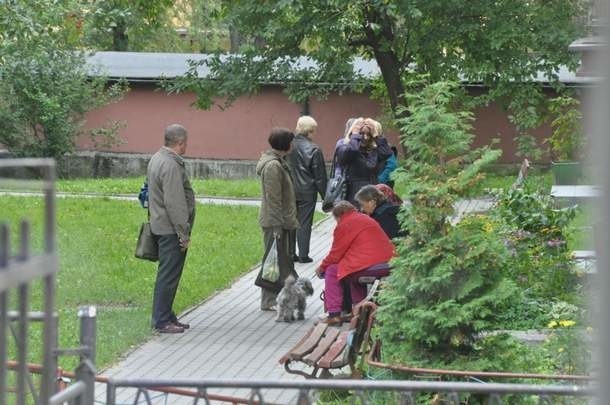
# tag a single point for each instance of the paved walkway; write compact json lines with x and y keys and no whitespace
{"x":229,"y":337}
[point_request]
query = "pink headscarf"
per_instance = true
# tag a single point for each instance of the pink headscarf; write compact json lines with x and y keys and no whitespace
{"x":389,"y":193}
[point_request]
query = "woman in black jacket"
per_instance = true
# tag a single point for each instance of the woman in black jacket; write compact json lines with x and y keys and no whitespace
{"x":374,"y":203}
{"x":360,"y":155}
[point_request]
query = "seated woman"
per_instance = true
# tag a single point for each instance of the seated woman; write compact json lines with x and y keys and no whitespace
{"x":360,"y":248}
{"x":374,"y":203}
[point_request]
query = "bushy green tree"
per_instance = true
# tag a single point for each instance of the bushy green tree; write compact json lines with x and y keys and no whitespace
{"x":448,"y":279}
{"x":44,"y":88}
{"x":122,"y":25}
{"x":496,"y":43}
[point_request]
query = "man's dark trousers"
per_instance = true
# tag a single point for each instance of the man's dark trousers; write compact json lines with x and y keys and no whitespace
{"x":305,"y":211}
{"x":171,"y":263}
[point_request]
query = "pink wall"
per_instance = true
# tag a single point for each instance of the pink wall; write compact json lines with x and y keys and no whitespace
{"x":240,"y":132}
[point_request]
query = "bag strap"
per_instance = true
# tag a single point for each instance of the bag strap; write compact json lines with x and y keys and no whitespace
{"x":334,"y":165}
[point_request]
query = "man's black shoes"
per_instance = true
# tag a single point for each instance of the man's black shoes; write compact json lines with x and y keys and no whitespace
{"x":170,"y":328}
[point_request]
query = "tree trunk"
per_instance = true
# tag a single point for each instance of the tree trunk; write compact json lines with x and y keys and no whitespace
{"x":120,"y":39}
{"x":380,"y":42}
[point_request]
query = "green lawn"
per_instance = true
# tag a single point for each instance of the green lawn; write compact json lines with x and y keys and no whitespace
{"x":244,"y":188}
{"x":581,"y":231}
{"x":96,"y":242}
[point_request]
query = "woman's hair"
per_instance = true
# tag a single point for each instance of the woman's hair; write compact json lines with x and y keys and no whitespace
{"x":376,"y":125}
{"x":389,"y":193}
{"x":306,"y":125}
{"x":370,"y":193}
{"x":280,"y":139}
{"x":341,"y":208}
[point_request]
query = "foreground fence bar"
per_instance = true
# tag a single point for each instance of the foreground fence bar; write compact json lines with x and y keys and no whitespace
{"x":17,"y":273}
{"x":407,"y":388}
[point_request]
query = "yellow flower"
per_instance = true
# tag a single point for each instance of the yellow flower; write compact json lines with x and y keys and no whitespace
{"x":488,"y":227}
{"x":560,"y":350}
{"x":566,"y":323}
{"x":552,"y":324}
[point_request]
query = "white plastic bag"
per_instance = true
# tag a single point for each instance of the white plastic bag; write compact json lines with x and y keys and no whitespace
{"x":270,"y":266}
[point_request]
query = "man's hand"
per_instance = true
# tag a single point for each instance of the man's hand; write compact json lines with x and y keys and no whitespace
{"x":184,"y":244}
{"x":277,"y":232}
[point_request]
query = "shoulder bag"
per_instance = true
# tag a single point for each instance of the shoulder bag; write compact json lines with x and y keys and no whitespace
{"x":336,"y":187}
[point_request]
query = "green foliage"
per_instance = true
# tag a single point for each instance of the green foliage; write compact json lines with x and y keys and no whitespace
{"x":45,"y":90}
{"x":535,"y":232}
{"x":447,"y":282}
{"x":121,"y":25}
{"x":493,"y":43}
{"x":568,"y":347}
{"x":567,"y":138}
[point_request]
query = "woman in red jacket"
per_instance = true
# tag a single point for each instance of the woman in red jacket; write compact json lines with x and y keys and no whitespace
{"x":360,"y":248}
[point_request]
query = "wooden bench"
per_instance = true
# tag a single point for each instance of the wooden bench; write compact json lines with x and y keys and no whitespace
{"x":324,"y":348}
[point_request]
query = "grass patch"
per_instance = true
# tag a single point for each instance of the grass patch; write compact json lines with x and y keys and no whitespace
{"x":243,"y":188}
{"x":580,"y":233}
{"x":96,"y":239}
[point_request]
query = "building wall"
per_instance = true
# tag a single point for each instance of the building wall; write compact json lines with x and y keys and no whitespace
{"x":240,"y":131}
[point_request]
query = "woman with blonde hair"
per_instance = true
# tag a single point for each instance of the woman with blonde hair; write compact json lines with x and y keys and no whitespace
{"x":360,"y":155}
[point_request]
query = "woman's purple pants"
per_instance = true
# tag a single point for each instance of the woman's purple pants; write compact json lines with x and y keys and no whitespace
{"x":333,"y":289}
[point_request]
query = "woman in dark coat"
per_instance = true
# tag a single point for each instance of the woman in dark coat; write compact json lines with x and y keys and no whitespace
{"x":360,"y":155}
{"x":374,"y":203}
{"x":278,"y":212}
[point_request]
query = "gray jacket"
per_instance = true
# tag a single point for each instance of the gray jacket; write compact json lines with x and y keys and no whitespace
{"x":170,"y":196}
{"x":308,"y":169}
{"x":278,"y":205}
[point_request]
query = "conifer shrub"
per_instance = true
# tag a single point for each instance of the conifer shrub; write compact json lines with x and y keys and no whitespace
{"x":448,"y":280}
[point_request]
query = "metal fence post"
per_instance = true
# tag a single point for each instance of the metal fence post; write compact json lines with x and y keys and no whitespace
{"x":86,"y":371}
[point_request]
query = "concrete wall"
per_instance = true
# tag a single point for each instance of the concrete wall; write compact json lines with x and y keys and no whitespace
{"x":227,"y":143}
{"x":109,"y":164}
{"x":240,"y":132}
{"x":236,"y":133}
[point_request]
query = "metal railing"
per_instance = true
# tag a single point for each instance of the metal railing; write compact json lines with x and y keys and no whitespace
{"x":17,"y":273}
{"x":362,"y":391}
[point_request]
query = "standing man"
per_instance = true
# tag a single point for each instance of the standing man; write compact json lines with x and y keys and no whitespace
{"x":172,"y":213}
{"x":309,"y":174}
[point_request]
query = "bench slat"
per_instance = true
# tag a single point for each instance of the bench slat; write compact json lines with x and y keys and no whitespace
{"x":286,"y":357}
{"x":338,"y":347}
{"x":324,"y":344}
{"x":310,"y":343}
{"x":342,"y":359}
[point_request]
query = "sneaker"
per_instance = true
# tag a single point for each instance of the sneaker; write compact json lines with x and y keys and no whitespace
{"x":296,"y":259}
{"x":305,"y":259}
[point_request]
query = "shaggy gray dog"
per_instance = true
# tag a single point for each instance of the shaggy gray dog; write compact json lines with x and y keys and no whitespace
{"x":293,"y":297}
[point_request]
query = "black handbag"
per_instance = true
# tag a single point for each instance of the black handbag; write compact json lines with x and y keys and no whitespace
{"x":147,"y":247}
{"x":335,"y":189}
